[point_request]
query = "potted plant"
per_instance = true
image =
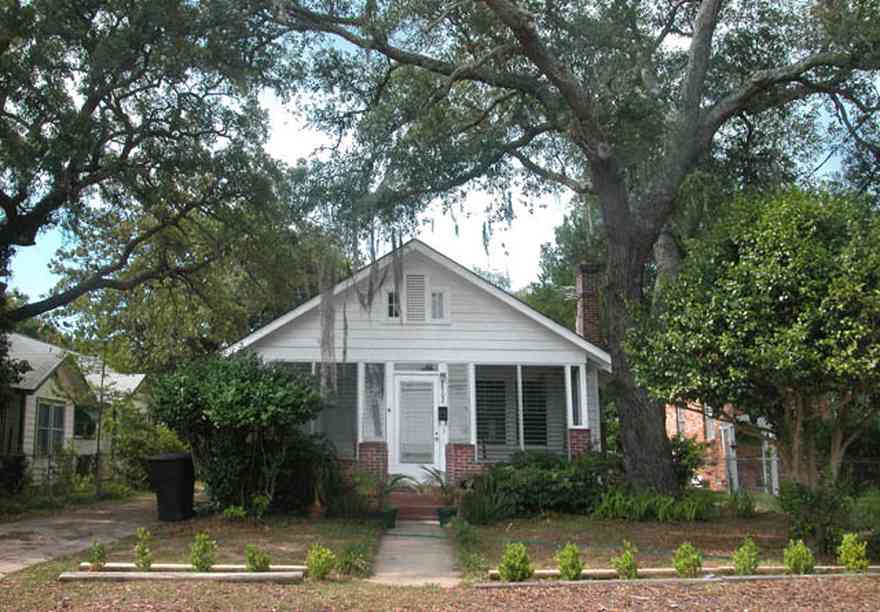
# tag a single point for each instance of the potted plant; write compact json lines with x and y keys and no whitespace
{"x":377,"y":491}
{"x":445,"y":492}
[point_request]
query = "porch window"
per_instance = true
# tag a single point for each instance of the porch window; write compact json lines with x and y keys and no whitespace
{"x":492,"y":411}
{"x":534,"y":412}
{"x":85,"y":422}
{"x":576,"y":419}
{"x":50,"y":427}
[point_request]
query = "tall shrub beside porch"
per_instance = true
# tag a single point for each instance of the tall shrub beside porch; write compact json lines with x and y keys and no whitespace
{"x":239,"y":417}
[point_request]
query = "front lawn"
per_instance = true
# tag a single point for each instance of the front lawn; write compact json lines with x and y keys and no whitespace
{"x":286,"y":539}
{"x":599,"y":540}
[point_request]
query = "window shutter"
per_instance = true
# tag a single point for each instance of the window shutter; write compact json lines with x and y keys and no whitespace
{"x":415,"y":297}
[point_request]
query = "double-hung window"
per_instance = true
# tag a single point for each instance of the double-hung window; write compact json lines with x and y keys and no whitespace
{"x":392,"y":304}
{"x":50,"y":427}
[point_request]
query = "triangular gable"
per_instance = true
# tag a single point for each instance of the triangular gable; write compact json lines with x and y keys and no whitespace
{"x":598,"y":356}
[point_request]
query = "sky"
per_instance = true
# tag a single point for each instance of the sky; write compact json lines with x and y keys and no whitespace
{"x":514,"y":248}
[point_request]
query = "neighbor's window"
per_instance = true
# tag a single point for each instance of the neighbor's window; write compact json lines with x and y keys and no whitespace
{"x":50,"y":427}
{"x":438,"y":305}
{"x":85,"y":422}
{"x":393,"y":305}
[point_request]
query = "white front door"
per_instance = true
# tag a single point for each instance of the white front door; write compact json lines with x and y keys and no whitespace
{"x":416,"y":434}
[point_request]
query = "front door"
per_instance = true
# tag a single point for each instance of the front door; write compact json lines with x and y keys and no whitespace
{"x":417,"y":438}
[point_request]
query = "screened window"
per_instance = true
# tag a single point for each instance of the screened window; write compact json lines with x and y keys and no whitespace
{"x":534,"y":412}
{"x":491,"y":411}
{"x":438,"y":305}
{"x":679,"y":420}
{"x":50,"y":427}
{"x":85,"y":422}
{"x":393,"y":305}
{"x":576,"y":397}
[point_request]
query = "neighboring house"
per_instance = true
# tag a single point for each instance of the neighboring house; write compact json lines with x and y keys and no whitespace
{"x":55,"y":403}
{"x":444,"y":370}
{"x":736,"y":456}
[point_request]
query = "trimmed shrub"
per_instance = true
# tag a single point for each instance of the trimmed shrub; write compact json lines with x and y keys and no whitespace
{"x":798,"y":559}
{"x":320,"y":561}
{"x":515,"y":565}
{"x":256,"y":560}
{"x":745,"y":558}
{"x":688,"y":561}
{"x":852,"y":553}
{"x":625,"y":563}
{"x":235,"y":513}
{"x":97,"y":556}
{"x":203,"y":552}
{"x":539,"y":482}
{"x":569,"y":560}
{"x":354,"y":560}
{"x":143,"y":555}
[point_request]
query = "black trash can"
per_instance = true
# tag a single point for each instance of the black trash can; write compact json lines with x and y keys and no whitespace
{"x":173,"y":479}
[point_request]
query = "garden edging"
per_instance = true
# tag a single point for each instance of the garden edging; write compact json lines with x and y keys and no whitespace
{"x":874,"y":571}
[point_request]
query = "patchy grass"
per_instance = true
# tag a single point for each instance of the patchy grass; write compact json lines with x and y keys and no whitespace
{"x":601,"y":540}
{"x":286,"y":539}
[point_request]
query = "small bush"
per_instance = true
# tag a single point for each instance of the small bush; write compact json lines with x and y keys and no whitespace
{"x":235,"y":513}
{"x":320,"y":562}
{"x":688,"y":561}
{"x":256,"y":560}
{"x":260,"y":505}
{"x":741,"y":504}
{"x":135,"y":437}
{"x":798,"y":559}
{"x":569,"y":561}
{"x":143,"y":555}
{"x":203,"y":552}
{"x":97,"y":556}
{"x":515,"y":565}
{"x":852,"y":553}
{"x":823,"y":514}
{"x":625,"y":563}
{"x":745,"y":558}
{"x":354,"y":560}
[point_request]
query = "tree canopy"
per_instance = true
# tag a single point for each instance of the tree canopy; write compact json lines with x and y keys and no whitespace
{"x":135,"y":129}
{"x":617,"y":99}
{"x":775,"y":313}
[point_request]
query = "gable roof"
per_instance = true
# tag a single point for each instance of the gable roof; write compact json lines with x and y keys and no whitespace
{"x":598,"y":356}
{"x":45,"y":358}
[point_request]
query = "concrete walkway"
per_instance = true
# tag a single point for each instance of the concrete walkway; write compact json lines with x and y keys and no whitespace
{"x":415,"y":553}
{"x":27,"y":542}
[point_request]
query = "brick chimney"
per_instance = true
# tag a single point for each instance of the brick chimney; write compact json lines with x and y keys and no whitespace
{"x":589,"y":276}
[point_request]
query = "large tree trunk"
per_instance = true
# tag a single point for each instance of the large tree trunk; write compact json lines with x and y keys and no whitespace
{"x":646,"y":448}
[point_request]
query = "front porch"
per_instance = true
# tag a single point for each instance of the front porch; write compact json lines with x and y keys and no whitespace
{"x":402,"y":417}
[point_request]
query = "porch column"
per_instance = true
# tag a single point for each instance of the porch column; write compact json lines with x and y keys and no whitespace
{"x":519,"y":408}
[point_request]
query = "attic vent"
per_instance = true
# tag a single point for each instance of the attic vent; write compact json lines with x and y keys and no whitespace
{"x":415,"y":297}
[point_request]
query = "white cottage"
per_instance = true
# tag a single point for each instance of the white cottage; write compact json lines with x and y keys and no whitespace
{"x":449,"y":372}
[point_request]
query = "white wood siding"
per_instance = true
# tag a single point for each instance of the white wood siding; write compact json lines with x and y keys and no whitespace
{"x":480,"y":329}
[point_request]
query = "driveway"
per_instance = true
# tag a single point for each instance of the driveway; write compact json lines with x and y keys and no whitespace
{"x":30,"y":541}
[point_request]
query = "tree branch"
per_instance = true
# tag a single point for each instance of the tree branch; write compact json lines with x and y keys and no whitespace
{"x":550,"y":175}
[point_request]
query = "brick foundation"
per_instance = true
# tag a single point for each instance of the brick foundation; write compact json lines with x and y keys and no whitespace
{"x":578,"y":442}
{"x":373,"y":458}
{"x":461,"y":463}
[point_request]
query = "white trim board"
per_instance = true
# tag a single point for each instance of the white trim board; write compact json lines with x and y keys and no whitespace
{"x":596,"y":355}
